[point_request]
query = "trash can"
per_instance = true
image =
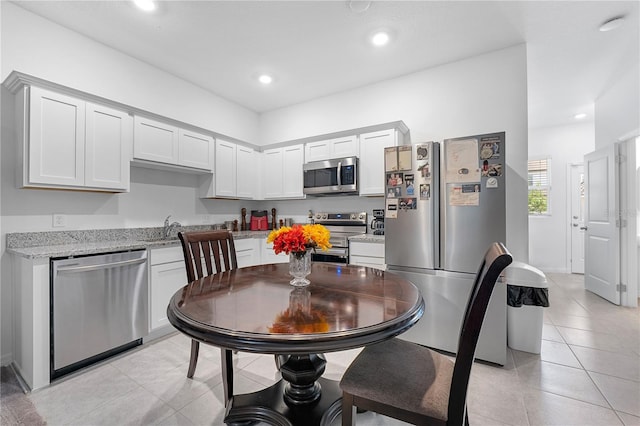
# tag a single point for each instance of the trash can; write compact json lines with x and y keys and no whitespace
{"x":527,"y":296}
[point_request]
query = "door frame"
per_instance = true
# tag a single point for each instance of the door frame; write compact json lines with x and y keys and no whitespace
{"x":569,"y":250}
{"x":630,"y":208}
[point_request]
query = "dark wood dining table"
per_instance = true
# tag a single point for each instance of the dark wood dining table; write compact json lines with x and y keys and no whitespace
{"x":256,"y":310}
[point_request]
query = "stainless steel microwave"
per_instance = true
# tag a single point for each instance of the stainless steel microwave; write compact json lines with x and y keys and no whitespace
{"x":331,"y":177}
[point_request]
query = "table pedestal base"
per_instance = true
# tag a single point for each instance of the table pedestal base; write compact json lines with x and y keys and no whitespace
{"x":268,"y":405}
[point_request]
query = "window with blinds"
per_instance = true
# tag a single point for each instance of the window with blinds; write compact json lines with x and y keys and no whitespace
{"x":539,"y":186}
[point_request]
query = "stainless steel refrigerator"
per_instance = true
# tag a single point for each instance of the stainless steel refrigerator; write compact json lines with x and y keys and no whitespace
{"x":444,"y":204}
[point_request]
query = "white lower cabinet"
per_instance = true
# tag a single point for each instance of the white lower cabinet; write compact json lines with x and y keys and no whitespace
{"x":367,"y":254}
{"x":269,"y":256}
{"x":168,"y":275}
{"x":247,"y":252}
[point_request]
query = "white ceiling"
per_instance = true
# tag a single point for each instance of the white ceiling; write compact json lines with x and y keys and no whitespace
{"x":318,"y":48}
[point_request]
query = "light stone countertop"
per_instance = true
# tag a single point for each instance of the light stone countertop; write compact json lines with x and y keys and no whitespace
{"x":79,"y":243}
{"x":34,"y":245}
{"x":368,"y":238}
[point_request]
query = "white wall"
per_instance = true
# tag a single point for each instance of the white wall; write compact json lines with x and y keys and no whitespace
{"x":483,"y":94}
{"x":35,"y":46}
{"x":479,"y":95}
{"x":38,"y":47}
{"x":548,"y":234}
{"x":617,"y":110}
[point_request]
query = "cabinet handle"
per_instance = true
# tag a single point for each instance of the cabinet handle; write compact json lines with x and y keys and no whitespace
{"x":87,"y":268}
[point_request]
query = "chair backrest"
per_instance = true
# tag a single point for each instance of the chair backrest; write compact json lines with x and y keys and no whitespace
{"x":216,"y":247}
{"x":496,"y":259}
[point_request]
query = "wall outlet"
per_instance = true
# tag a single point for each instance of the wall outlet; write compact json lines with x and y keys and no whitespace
{"x":206,"y":219}
{"x":59,"y":221}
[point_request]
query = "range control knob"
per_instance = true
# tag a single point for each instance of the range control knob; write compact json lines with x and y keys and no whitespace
{"x":353,"y":216}
{"x":361,"y":217}
{"x":324,"y":216}
{"x":318,"y":215}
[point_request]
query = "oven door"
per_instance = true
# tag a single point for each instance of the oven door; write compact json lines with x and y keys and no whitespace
{"x":333,"y":255}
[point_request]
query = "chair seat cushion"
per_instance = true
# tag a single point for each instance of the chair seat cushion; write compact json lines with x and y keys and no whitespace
{"x":401,"y":374}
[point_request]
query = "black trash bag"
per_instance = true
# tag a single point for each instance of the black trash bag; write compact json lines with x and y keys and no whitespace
{"x":532,"y":296}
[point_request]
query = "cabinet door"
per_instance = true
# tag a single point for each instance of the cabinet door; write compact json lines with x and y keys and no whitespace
{"x":247,"y":179}
{"x":371,"y":262}
{"x":269,"y":256}
{"x":272,"y":173}
{"x":109,"y":134}
{"x":344,"y":147}
{"x":292,"y":176}
{"x":331,"y":148}
{"x":56,"y":139}
{"x":317,"y":151}
{"x":195,"y":150}
{"x":371,"y":165}
{"x":366,"y":254}
{"x":247,"y":252}
{"x":225,"y":174}
{"x":155,"y":141}
{"x":166,"y":279}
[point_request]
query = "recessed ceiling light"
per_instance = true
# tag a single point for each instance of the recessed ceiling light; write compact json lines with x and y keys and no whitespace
{"x":612,"y":24}
{"x":265,"y":79}
{"x":359,"y":6}
{"x":580,"y":116}
{"x":146,"y":5}
{"x":380,"y":38}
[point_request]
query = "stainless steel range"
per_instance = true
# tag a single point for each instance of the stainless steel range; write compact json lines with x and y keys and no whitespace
{"x":342,"y":226}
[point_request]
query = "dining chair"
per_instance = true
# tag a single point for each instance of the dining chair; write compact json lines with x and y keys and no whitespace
{"x":218,"y":253}
{"x":413,"y":383}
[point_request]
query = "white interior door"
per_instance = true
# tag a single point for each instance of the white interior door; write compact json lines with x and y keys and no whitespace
{"x":602,"y":237}
{"x":577,"y":219}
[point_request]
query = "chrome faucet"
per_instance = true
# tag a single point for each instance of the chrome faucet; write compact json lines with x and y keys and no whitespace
{"x":168,"y":228}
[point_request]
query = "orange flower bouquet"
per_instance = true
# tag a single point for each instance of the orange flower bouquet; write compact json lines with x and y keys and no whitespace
{"x":298,"y":241}
{"x":298,"y":238}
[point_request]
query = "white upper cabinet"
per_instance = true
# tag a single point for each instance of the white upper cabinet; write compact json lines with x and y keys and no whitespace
{"x":226,"y":167}
{"x":70,"y":143}
{"x":246,"y":173}
{"x":195,"y":150}
{"x":371,"y":164}
{"x":155,"y":141}
{"x":292,"y":176}
{"x":272,"y":175}
{"x":331,"y":148}
{"x":106,"y":162}
{"x":282,"y":172}
{"x":235,"y":173}
{"x":164,"y":143}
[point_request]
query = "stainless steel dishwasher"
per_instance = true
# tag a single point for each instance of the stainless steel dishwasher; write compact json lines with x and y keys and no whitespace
{"x":99,"y":307}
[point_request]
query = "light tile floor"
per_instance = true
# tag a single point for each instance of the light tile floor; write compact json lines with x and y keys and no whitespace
{"x":588,"y":373}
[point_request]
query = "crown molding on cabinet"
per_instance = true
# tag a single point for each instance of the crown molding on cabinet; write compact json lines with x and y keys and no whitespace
{"x":399,"y":125}
{"x":16,"y":79}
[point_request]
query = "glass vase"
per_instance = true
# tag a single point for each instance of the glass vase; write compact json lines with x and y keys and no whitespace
{"x":300,"y":267}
